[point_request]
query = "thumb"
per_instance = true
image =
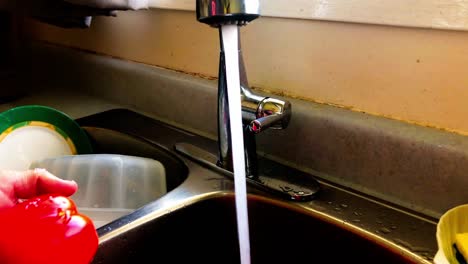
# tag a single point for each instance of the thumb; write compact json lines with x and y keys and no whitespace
{"x":39,"y":181}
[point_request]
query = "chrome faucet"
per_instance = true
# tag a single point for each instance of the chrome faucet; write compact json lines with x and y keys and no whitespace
{"x":258,"y":112}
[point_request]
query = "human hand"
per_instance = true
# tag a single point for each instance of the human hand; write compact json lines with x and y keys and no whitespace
{"x":47,"y":227}
{"x":18,"y":185}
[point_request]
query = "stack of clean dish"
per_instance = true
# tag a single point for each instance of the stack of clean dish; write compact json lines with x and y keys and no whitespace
{"x":34,"y":132}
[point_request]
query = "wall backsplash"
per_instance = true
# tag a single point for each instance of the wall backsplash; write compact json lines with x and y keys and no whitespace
{"x":414,"y":75}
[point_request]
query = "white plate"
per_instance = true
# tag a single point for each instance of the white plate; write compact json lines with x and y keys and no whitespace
{"x":29,"y":133}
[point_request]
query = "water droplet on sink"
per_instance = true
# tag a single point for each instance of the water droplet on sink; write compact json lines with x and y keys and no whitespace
{"x":329,"y":202}
{"x":356,"y":220}
{"x":344,"y":205}
{"x":337,"y":209}
{"x":420,"y":250}
{"x":107,"y":229}
{"x":402,"y":243}
{"x":393,"y":227}
{"x":379,"y":221}
{"x":428,"y":258}
{"x":385,"y":230}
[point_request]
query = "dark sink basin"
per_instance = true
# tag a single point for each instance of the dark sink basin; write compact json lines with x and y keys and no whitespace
{"x":205,"y":232}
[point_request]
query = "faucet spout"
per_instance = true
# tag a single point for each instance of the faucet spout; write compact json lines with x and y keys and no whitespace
{"x":258,"y":112}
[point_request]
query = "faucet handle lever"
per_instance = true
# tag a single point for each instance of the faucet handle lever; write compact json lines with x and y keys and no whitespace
{"x":271,"y":112}
{"x":262,"y":123}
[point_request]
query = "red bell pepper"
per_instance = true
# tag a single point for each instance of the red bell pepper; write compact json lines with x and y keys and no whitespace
{"x":46,"y":230}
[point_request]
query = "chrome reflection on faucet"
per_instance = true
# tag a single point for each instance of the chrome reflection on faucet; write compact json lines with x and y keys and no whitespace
{"x":221,"y":12}
{"x":258,"y":112}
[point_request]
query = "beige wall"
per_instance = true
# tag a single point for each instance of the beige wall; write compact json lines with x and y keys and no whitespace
{"x":416,"y":75}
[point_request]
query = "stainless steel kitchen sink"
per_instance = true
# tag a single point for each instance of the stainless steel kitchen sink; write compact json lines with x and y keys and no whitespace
{"x":195,"y":221}
{"x":205,"y":232}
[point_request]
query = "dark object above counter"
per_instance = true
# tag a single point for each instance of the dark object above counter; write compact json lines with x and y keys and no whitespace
{"x":76,"y":13}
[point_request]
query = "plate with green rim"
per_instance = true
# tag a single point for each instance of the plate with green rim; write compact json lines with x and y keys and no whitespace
{"x":32,"y":132}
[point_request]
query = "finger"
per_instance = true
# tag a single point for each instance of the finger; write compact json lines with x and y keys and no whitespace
{"x":39,"y":181}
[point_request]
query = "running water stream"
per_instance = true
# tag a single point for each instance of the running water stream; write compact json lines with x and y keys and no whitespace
{"x":231,"y":50}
